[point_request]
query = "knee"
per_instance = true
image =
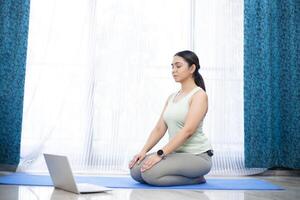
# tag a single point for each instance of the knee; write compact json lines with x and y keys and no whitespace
{"x":135,"y":173}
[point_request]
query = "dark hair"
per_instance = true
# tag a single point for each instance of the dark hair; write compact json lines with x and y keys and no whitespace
{"x":191,"y":58}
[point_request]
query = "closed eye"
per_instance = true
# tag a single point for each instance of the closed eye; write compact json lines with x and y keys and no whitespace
{"x":177,"y":66}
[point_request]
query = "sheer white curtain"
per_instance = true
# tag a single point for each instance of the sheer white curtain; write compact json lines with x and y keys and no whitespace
{"x":98,"y":74}
{"x":218,"y":39}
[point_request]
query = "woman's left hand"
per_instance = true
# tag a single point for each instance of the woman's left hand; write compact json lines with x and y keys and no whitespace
{"x":150,"y":162}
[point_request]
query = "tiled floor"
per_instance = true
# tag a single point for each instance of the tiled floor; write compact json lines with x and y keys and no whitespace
{"x":291,"y":192}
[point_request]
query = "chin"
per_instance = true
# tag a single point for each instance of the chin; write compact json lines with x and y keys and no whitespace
{"x":176,"y":79}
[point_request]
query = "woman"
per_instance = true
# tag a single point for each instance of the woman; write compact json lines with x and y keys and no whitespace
{"x":187,"y":156}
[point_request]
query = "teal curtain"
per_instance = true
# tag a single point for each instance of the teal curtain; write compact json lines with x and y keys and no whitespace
{"x":272,"y":83}
{"x":14,"y":20}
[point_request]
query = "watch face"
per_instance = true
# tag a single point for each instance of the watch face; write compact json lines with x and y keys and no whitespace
{"x":160,"y":152}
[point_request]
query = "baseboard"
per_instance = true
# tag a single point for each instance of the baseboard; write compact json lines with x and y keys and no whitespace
{"x":8,"y":168}
{"x":280,"y":172}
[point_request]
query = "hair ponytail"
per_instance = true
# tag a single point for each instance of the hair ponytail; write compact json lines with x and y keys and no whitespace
{"x":199,"y":80}
{"x":191,"y":58}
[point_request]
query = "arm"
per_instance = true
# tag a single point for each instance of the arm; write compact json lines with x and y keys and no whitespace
{"x":197,"y":111}
{"x":157,"y":133}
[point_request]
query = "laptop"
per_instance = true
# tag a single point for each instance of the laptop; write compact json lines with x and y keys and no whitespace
{"x":62,"y":176}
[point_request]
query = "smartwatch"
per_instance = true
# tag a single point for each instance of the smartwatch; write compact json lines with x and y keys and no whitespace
{"x":161,"y":153}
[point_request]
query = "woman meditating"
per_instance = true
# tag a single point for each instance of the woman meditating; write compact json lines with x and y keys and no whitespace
{"x":186,"y":158}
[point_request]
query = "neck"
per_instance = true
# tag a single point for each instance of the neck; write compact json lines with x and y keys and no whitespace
{"x":188,"y":85}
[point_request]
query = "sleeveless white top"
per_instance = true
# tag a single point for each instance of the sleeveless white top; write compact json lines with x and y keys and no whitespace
{"x":174,"y":116}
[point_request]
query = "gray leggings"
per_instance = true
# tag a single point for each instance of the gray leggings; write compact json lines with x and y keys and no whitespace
{"x":175,"y":169}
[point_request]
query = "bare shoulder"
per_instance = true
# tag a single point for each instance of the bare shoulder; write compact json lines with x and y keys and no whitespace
{"x":200,"y":95}
{"x":169,"y":97}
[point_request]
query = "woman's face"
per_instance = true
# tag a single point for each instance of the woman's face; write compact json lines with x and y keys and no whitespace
{"x":181,"y":70}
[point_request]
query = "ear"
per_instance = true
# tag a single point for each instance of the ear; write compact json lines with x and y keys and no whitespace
{"x":192,"y":68}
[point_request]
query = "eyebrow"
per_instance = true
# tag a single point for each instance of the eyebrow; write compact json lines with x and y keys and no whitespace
{"x":175,"y":63}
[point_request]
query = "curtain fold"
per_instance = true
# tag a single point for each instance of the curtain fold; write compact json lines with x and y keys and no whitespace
{"x":271,"y":83}
{"x":14,"y":19}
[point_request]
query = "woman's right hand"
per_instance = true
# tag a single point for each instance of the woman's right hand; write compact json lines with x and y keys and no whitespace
{"x":137,"y":158}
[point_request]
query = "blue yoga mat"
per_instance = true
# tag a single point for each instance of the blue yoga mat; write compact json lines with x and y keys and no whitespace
{"x":129,"y":183}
